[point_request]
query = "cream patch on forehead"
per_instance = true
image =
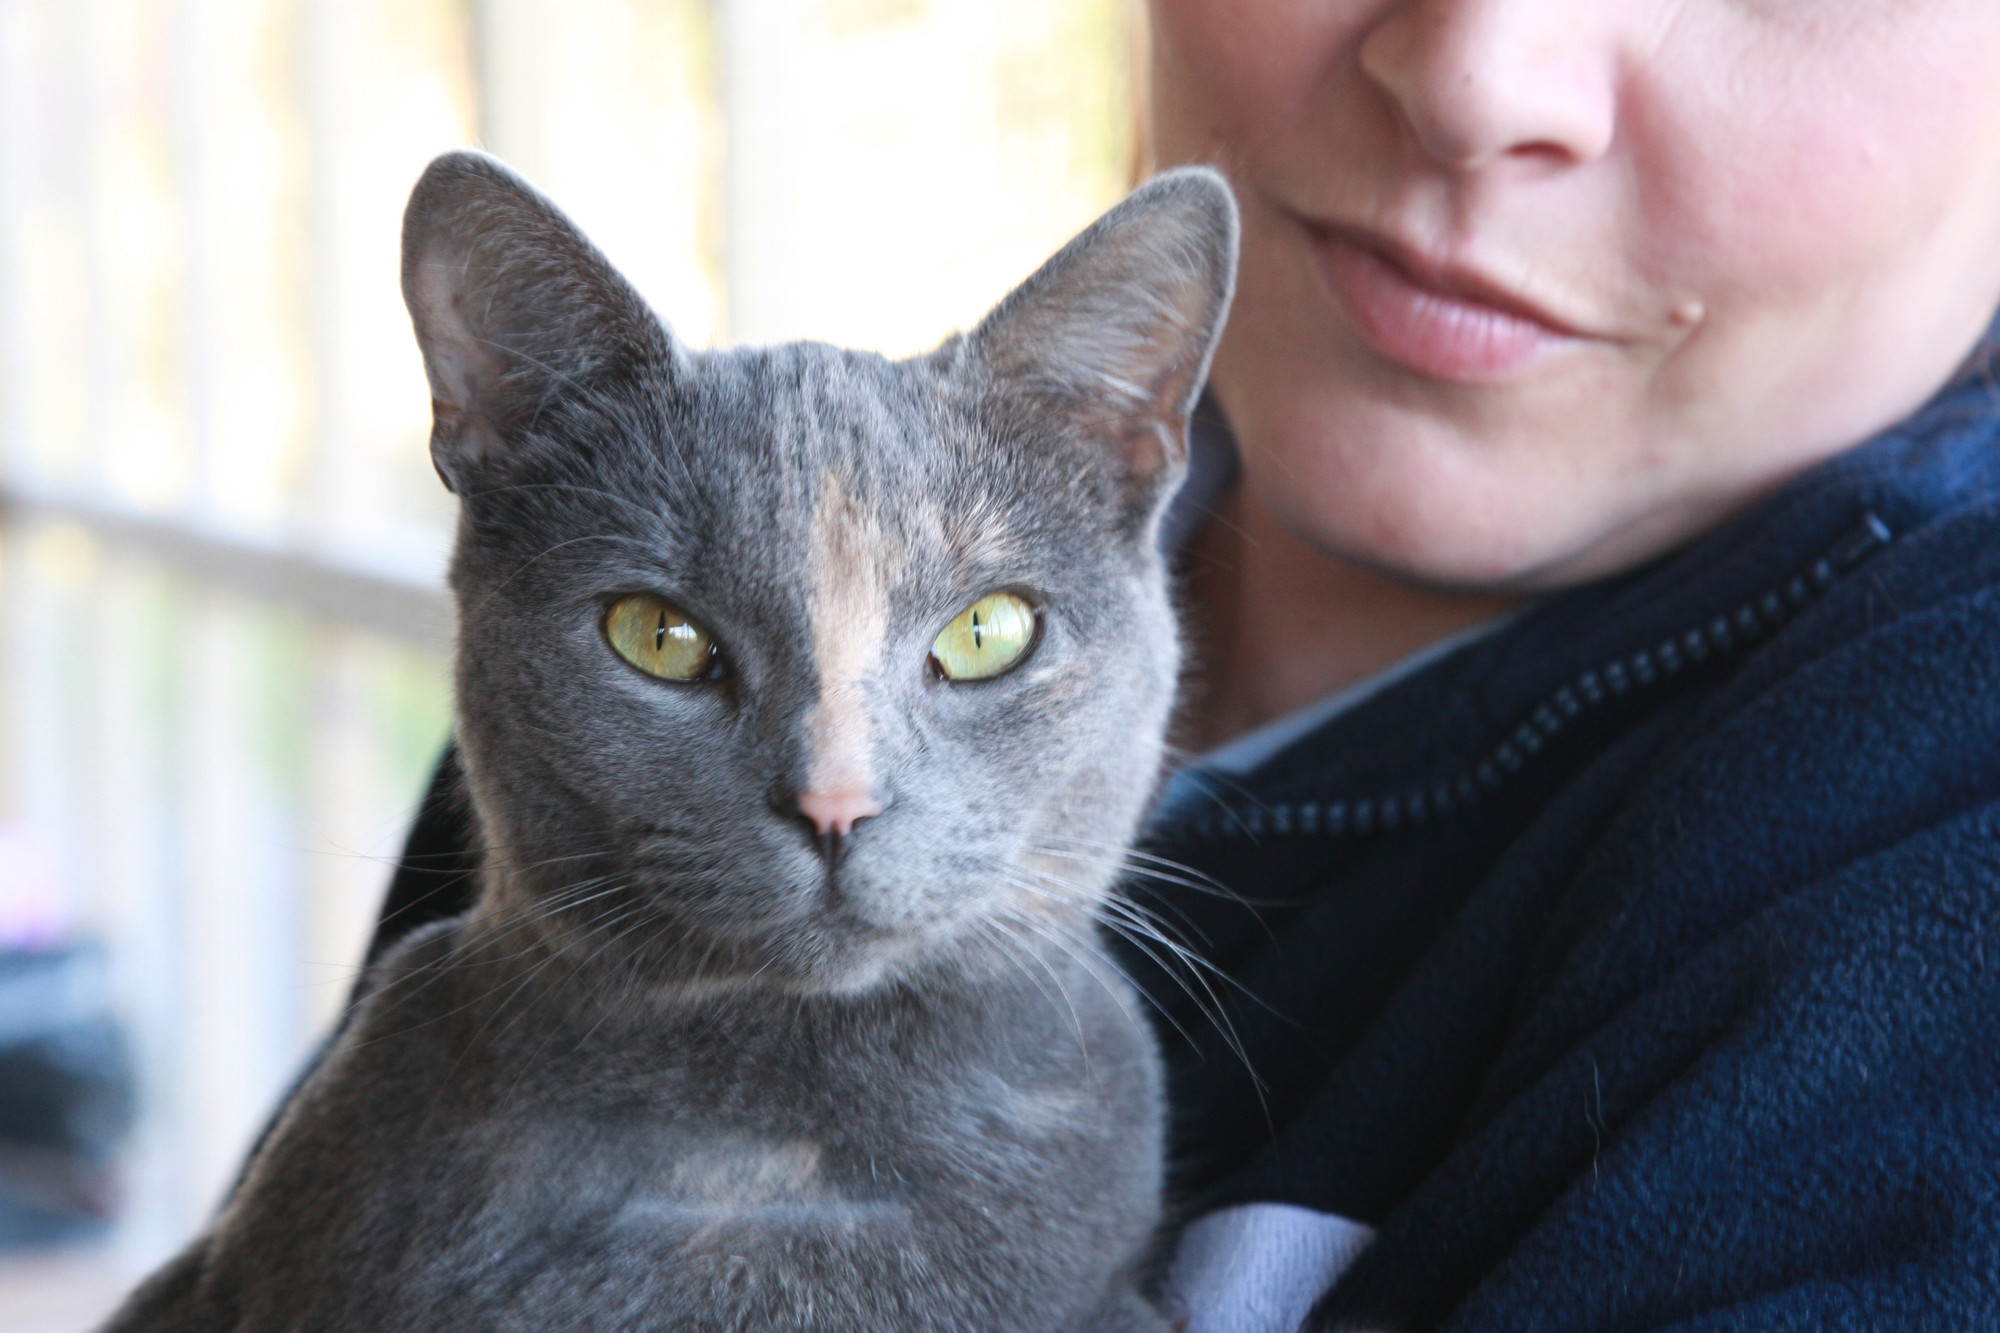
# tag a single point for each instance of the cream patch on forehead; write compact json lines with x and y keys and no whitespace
{"x":850,"y":567}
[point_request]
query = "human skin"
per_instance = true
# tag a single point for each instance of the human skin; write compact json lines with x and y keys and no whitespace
{"x":1533,"y":290}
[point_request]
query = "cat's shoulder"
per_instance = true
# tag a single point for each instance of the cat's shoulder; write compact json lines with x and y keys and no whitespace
{"x":422,"y":960}
{"x":409,"y":1009}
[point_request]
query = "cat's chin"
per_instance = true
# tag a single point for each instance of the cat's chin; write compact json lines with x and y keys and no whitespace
{"x":830,"y":959}
{"x":842,"y":959}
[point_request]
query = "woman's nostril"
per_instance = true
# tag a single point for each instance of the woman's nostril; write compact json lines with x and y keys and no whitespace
{"x":1474,"y":87}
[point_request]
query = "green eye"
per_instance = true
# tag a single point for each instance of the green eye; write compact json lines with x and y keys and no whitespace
{"x":657,"y":637}
{"x":986,"y":639}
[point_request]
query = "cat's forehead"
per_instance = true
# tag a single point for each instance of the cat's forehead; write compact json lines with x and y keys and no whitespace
{"x":840,"y":458}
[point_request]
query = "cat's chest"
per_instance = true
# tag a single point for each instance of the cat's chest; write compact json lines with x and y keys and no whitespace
{"x":720,"y":1121}
{"x":561,"y":1163}
{"x":671,"y":1181}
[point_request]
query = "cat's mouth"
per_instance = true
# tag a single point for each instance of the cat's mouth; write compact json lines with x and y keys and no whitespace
{"x":826,"y":946}
{"x":780,"y":915}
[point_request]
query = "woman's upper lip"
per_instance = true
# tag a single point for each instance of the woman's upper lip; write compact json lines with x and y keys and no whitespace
{"x":1449,"y":278}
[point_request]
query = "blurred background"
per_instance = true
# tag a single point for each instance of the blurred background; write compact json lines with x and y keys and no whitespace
{"x":222,"y":630}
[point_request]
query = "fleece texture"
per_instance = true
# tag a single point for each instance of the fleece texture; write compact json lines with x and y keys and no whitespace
{"x":1637,"y":967}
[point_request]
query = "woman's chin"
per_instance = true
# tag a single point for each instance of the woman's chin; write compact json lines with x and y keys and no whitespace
{"x":1437,"y":532}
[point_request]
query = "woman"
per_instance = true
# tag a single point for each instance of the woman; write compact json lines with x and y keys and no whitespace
{"x":1599,"y":668}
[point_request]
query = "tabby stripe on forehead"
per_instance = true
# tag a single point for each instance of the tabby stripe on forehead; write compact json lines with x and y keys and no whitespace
{"x":850,"y":621}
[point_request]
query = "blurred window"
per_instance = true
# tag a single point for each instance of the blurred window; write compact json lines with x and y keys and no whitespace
{"x":222,"y":630}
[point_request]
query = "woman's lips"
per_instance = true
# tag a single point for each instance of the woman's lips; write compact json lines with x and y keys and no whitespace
{"x":1430,"y":328}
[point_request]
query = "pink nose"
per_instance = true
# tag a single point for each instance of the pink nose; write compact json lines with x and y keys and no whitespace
{"x":835,"y":813}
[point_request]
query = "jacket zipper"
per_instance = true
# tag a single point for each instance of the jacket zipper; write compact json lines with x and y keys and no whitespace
{"x":1715,"y":639}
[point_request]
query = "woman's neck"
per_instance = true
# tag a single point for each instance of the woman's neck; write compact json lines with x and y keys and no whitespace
{"x":1275,"y":623}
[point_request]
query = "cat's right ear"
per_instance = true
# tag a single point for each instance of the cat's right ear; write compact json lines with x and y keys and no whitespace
{"x":1115,"y":332}
{"x":515,"y":312}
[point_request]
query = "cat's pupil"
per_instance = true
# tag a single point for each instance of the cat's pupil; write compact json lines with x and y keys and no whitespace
{"x":660,"y":634}
{"x":977,"y":640}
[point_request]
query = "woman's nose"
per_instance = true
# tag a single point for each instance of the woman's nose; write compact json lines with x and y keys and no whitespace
{"x":1480,"y":81}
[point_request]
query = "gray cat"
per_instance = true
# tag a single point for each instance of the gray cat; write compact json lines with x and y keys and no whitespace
{"x":807,"y":703}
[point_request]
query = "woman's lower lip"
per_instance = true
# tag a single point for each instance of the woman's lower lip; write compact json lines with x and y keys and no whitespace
{"x":1441,"y":336}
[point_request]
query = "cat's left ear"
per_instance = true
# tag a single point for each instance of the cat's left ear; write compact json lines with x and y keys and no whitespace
{"x":516,"y":314}
{"x":1117,"y":330}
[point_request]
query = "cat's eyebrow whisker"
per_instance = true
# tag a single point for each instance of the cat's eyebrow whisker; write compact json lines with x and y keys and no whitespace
{"x":542,"y":554}
{"x":596,"y":491}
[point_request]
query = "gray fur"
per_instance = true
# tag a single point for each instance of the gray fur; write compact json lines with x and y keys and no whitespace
{"x":672,"y":1072}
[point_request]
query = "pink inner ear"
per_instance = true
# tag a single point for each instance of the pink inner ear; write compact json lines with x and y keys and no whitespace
{"x":460,"y":364}
{"x":460,"y":440}
{"x":1151,"y":446}
{"x":463,"y":370}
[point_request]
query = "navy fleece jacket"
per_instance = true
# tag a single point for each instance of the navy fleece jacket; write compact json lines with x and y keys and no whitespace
{"x":1638,"y":966}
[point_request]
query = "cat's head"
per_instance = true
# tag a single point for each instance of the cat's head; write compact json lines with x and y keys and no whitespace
{"x":797,"y":661}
